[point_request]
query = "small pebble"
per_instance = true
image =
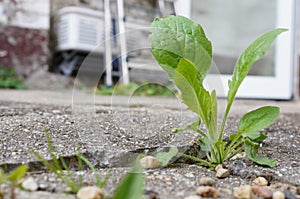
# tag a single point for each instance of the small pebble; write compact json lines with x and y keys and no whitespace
{"x":91,"y":192}
{"x":43,"y":186}
{"x":193,"y":197}
{"x":207,"y":192}
{"x":222,"y":173}
{"x":207,"y":181}
{"x":289,"y":195}
{"x":243,"y":192}
{"x":219,"y":166}
{"x":159,"y":177}
{"x":149,"y":162}
{"x":151,"y":194}
{"x":260,"y":181}
{"x":225,"y":191}
{"x":262,"y":191}
{"x":278,"y":195}
{"x":30,"y":184}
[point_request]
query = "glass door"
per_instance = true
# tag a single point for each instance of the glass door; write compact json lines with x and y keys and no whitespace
{"x":232,"y":25}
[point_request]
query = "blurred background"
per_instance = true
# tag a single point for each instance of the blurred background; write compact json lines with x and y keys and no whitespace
{"x":45,"y":42}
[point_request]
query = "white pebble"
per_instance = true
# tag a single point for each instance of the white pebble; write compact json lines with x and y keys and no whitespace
{"x":278,"y":195}
{"x":91,"y":192}
{"x":260,"y":181}
{"x":243,"y":192}
{"x":30,"y":184}
{"x":192,"y":197}
{"x":222,"y":173}
{"x":149,"y":162}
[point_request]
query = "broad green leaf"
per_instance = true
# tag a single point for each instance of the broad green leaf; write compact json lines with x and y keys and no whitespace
{"x":251,"y":149}
{"x":258,"y":119}
{"x":18,"y":173}
{"x":132,"y":186}
{"x":255,"y":136}
{"x":176,"y":37}
{"x":165,"y":157}
{"x":252,"y":54}
{"x":193,"y":94}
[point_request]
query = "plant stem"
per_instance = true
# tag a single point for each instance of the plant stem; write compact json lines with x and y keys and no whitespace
{"x":233,"y":145}
{"x":236,"y":152}
{"x":224,"y":121}
{"x":236,"y":145}
{"x":231,"y":148}
{"x":196,"y":159}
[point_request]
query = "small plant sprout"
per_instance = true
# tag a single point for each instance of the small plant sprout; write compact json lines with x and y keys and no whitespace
{"x":62,"y":171}
{"x":181,"y":48}
{"x":13,"y":177}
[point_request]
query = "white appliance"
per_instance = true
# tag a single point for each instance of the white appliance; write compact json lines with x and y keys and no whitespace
{"x":78,"y":28}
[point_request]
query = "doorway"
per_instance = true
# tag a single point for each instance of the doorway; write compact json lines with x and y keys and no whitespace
{"x":231,"y":26}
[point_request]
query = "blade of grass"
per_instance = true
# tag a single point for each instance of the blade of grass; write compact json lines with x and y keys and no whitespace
{"x":98,"y":177}
{"x":102,"y":184}
{"x":67,"y":169}
{"x":52,"y":151}
{"x":79,"y":169}
{"x":57,"y":171}
{"x":44,"y":161}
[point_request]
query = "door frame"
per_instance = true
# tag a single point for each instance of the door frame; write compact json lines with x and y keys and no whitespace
{"x":279,"y":86}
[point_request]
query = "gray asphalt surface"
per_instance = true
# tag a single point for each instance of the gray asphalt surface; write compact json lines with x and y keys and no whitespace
{"x":113,"y":130}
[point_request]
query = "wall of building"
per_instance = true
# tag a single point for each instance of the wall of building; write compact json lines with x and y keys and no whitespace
{"x":24,"y":29}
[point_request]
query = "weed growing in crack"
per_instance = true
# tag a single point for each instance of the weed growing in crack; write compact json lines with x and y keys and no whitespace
{"x":59,"y":167}
{"x":181,"y":48}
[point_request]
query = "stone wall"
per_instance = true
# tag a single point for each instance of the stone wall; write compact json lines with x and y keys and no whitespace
{"x":24,"y":34}
{"x":24,"y":49}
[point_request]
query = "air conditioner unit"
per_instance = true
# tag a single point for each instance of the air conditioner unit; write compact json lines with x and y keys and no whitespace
{"x":78,"y":28}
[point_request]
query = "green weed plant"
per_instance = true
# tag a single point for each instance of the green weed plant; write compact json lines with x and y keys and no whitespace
{"x":182,"y":49}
